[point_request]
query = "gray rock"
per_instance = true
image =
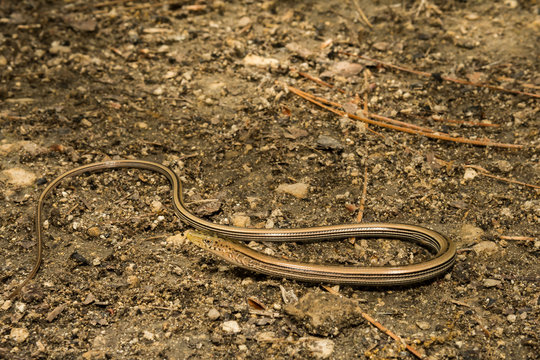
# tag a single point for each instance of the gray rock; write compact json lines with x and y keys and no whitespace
{"x":328,"y":143}
{"x":424,"y":325}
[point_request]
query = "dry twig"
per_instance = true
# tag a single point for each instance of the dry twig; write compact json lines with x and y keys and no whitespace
{"x":363,"y":199}
{"x":482,"y":171}
{"x":442,"y":77}
{"x":410,"y":130}
{"x":398,"y":339}
{"x":319,"y":81}
{"x":382,"y":328}
{"x":517,"y":238}
{"x":361,"y":13}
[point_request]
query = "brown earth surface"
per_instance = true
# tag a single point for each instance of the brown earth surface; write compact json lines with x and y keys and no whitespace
{"x":203,"y":88}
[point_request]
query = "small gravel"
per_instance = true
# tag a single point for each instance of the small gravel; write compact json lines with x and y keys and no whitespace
{"x":205,"y":87}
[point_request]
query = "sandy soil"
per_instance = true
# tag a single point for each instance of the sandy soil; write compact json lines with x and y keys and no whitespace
{"x":203,"y":87}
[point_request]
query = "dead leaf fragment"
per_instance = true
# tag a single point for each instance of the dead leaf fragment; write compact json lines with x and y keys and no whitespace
{"x":255,"y":304}
{"x":57,"y":310}
{"x":295,"y":133}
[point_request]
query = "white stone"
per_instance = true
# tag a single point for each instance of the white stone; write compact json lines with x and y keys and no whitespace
{"x":156,"y":206}
{"x":259,"y":61}
{"x":20,"y":306}
{"x":231,"y":327}
{"x":213,"y":314}
{"x":469,"y":174}
{"x":149,"y":335}
{"x":299,"y":190}
{"x":322,"y":348}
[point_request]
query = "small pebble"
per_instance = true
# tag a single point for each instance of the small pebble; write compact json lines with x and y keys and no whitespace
{"x":259,"y":61}
{"x":133,"y":281}
{"x":344,"y":69}
{"x":90,"y":298}
{"x":328,"y":143}
{"x":231,"y":327}
{"x":213,"y":314}
{"x":511,"y":318}
{"x":207,"y":208}
{"x":469,"y":174}
{"x":376,"y":169}
{"x":506,"y":212}
{"x":56,"y":48}
{"x":424,"y":325}
{"x":240,"y":221}
{"x":20,"y":306}
{"x":141,"y":125}
{"x":156,"y":206}
{"x":440,"y":109}
{"x":19,"y":335}
{"x":381,"y":46}
{"x":491,"y":283}
{"x":6,"y":305}
{"x":149,"y":335}
{"x":321,"y":349}
{"x":299,"y":190}
{"x":504,"y":166}
{"x":94,"y":231}
{"x":512,"y":4}
{"x":86,"y":123}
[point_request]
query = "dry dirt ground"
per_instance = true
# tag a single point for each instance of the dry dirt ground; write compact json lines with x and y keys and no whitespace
{"x":202,"y":87}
